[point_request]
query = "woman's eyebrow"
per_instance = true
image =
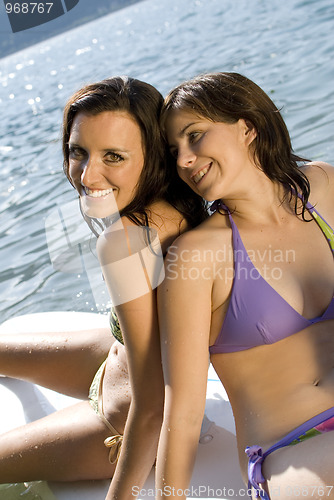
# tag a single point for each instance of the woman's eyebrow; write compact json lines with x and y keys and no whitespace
{"x":183,"y":131}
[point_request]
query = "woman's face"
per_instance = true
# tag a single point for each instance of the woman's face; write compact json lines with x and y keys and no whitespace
{"x":106,"y":159}
{"x":212,"y":157}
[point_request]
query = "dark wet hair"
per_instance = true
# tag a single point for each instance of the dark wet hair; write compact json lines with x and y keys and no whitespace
{"x":143,"y":103}
{"x":228,"y":97}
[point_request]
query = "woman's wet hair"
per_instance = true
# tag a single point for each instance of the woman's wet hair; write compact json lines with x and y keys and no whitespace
{"x":228,"y":97}
{"x":157,"y":180}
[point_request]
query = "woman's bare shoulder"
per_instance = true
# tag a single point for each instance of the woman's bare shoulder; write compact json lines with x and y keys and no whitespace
{"x":210,"y":233}
{"x":321,"y":178}
{"x":161,"y":217}
{"x":167,"y":221}
{"x":320,"y":175}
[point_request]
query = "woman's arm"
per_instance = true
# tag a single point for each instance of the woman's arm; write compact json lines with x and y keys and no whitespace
{"x":131,"y":269}
{"x":138,"y":320}
{"x":120,"y":251}
{"x":184,"y":305}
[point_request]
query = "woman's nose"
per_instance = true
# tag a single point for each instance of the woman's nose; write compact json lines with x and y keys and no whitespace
{"x":185,"y":158}
{"x":90,"y":173}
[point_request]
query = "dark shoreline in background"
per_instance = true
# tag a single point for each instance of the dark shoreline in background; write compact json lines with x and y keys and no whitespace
{"x":84,"y":12}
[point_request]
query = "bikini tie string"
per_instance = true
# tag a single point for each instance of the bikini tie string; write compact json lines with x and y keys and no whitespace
{"x":215,"y":206}
{"x":255,"y":476}
{"x":114,"y":443}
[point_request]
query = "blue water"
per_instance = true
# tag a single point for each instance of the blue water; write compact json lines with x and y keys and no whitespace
{"x":286,"y":47}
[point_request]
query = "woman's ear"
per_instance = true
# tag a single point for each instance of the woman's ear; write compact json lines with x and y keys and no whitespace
{"x":250,"y":131}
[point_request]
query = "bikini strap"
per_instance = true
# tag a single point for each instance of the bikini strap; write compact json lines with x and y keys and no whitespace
{"x":323,"y":224}
{"x":113,"y":442}
{"x":256,"y":455}
{"x":216,"y":205}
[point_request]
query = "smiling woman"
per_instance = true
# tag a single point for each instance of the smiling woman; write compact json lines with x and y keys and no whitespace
{"x":218,"y":144}
{"x":114,"y":156}
{"x":139,"y":105}
{"x":105,"y":156}
{"x":267,"y":324}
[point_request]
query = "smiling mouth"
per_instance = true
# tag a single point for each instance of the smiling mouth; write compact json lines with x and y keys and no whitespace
{"x":97,"y":193}
{"x":199,"y":176}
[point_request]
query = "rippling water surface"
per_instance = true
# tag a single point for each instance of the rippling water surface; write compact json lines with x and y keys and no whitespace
{"x":286,"y":47}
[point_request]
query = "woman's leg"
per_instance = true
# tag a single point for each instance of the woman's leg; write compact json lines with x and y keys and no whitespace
{"x":305,"y":470}
{"x":67,"y":445}
{"x":65,"y":362}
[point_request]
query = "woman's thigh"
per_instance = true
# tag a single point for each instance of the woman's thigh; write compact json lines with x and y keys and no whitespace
{"x":67,"y":445}
{"x":65,"y":362}
{"x":305,"y":470}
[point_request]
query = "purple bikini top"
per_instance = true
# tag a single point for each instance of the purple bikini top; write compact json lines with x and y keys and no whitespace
{"x":256,"y":313}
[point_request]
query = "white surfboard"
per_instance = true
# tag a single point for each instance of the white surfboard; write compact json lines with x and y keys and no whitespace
{"x":216,"y":474}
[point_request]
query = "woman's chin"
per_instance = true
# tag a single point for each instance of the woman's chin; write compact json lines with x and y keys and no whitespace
{"x":99,"y":208}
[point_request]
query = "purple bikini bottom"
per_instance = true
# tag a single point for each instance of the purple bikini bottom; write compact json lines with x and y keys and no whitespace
{"x":324,"y":422}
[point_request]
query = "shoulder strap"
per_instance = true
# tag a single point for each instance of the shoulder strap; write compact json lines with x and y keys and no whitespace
{"x":324,"y":226}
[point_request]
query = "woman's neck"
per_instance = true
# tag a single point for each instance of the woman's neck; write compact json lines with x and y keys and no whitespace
{"x":266,"y":202}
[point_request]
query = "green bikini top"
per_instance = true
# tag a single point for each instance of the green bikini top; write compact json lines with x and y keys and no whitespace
{"x":114,"y":326}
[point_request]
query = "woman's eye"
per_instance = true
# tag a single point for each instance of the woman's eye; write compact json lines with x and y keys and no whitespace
{"x":76,"y":153}
{"x":193,"y":137}
{"x":114,"y":157}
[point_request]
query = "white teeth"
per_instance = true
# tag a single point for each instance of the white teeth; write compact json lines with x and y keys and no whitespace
{"x":200,"y":174}
{"x":98,"y":194}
